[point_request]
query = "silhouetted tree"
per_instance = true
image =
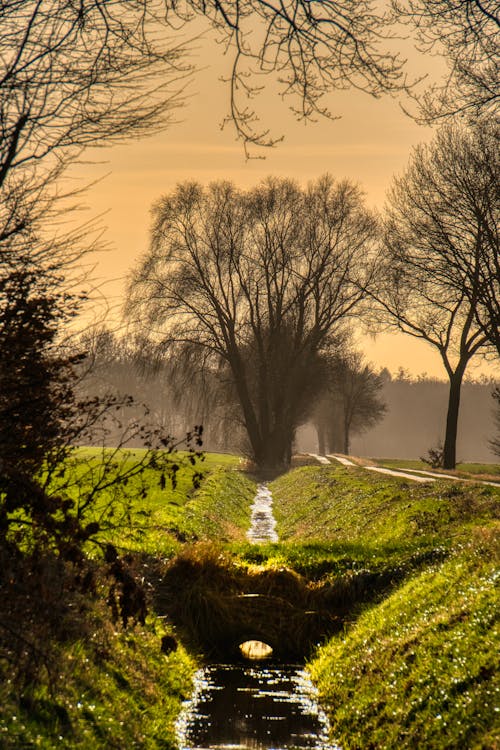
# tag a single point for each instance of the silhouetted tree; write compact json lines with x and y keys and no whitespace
{"x":440,"y":222}
{"x":260,"y":280}
{"x":351,"y":401}
{"x":467,"y":33}
{"x":48,"y":493}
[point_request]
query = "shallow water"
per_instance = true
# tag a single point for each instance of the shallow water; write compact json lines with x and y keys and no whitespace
{"x":259,"y":707}
{"x":262,"y":706}
{"x":262,"y":522}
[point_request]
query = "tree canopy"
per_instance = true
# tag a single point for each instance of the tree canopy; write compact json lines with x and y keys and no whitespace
{"x":260,"y":281}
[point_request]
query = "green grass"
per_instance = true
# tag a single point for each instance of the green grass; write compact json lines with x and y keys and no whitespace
{"x":158,"y":517}
{"x":420,"y":669}
{"x":415,"y":667}
{"x":418,"y":666}
{"x":351,"y":506}
{"x":116,"y":690}
{"x":220,"y":509}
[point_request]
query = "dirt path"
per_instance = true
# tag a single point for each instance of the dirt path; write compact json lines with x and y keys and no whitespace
{"x":416,"y":475}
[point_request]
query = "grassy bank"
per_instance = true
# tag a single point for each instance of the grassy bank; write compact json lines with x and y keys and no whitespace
{"x":417,"y":668}
{"x":114,"y":689}
{"x":420,"y":669}
{"x":412,"y":567}
{"x":86,"y":681}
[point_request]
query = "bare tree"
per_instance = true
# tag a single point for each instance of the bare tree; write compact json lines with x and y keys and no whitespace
{"x":350,"y":402}
{"x":313,"y":47}
{"x":467,"y":31}
{"x":72,"y":75}
{"x":441,"y":217}
{"x":260,"y":280}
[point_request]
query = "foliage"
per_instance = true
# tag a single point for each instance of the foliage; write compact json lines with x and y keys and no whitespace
{"x":434,"y":457}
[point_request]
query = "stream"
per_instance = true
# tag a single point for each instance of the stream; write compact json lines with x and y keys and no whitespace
{"x":256,"y":704}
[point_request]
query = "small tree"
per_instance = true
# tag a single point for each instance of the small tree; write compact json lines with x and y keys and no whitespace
{"x":350,"y":403}
{"x":439,"y":222}
{"x":48,"y":496}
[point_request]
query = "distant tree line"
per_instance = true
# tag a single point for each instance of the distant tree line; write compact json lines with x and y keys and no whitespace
{"x":414,"y":419}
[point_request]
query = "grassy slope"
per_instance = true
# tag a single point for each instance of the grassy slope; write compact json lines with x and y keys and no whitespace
{"x":419,"y":669}
{"x":115,"y":691}
{"x":159,"y":517}
{"x":114,"y":688}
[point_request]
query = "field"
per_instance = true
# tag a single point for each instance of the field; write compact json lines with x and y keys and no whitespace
{"x":415,"y":665}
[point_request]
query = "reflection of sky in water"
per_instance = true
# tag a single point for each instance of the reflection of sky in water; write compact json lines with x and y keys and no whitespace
{"x":236,"y":706}
{"x":262,"y":522}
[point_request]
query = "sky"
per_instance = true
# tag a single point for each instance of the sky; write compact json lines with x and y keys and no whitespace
{"x":369,"y":144}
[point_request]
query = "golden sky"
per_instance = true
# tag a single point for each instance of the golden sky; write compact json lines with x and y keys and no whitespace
{"x":369,"y":144}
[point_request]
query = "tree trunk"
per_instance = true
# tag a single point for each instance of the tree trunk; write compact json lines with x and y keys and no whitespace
{"x":321,"y":432}
{"x":346,"y":442}
{"x":450,"y":440}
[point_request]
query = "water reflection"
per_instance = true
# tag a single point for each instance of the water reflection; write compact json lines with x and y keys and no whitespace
{"x":236,"y":706}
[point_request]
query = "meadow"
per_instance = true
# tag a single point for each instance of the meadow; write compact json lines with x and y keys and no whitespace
{"x":414,"y":665}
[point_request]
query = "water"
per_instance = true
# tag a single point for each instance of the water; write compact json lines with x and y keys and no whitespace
{"x":259,"y":707}
{"x":262,"y":522}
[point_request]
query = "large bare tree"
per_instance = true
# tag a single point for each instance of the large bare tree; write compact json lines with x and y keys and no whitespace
{"x":441,"y":248}
{"x":260,"y":281}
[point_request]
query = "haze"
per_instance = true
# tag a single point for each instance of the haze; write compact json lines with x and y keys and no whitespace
{"x":369,"y":144}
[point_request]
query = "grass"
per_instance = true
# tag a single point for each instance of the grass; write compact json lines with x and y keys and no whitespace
{"x":415,"y":666}
{"x":418,"y":666}
{"x":115,"y":690}
{"x":220,"y":509}
{"x":161,"y":516}
{"x":353,"y":507}
{"x":108,"y":686}
{"x":420,"y":669}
